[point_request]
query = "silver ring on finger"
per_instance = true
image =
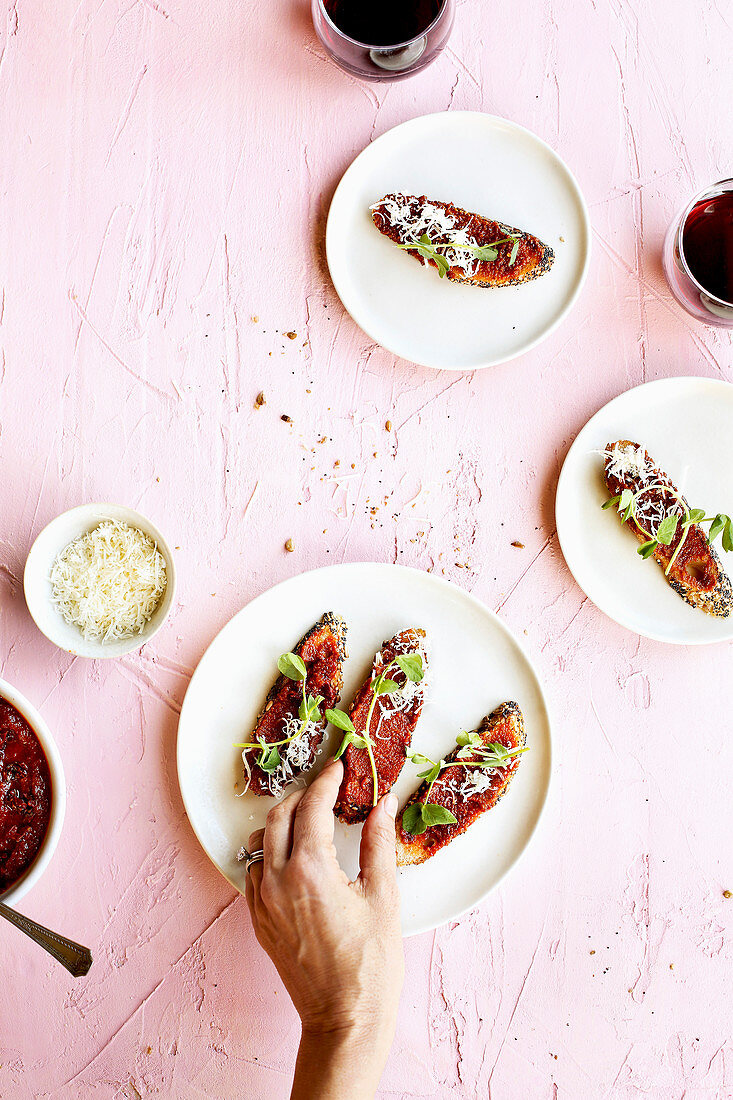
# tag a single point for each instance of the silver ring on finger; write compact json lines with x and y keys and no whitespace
{"x":251,"y":858}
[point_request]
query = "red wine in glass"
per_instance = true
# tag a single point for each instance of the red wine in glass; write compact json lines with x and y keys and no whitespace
{"x":707,"y":243}
{"x":383,"y":39}
{"x":383,"y":22}
{"x":698,"y":255}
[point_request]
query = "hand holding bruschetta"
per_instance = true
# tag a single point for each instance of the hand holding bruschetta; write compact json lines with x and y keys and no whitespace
{"x":337,"y":945}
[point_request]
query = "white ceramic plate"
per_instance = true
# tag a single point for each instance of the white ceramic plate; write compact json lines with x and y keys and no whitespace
{"x":482,"y":163}
{"x":475,"y":663}
{"x":686,"y":424}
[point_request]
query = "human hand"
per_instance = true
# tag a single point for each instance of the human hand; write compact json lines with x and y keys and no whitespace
{"x":337,"y":945}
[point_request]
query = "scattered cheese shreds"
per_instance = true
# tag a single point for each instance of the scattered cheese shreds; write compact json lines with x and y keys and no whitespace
{"x":654,"y":501}
{"x":628,"y":461}
{"x":477,"y":781}
{"x":413,"y":219}
{"x":109,"y":582}
{"x":410,"y":691}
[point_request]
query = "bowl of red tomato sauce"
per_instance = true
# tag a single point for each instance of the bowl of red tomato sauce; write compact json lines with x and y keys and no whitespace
{"x":32,"y":794}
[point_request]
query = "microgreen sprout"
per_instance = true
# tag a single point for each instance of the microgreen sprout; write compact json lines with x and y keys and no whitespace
{"x":428,"y":249}
{"x":269,"y":759}
{"x":472,"y":751}
{"x":411,"y":664}
{"x":683,"y":519}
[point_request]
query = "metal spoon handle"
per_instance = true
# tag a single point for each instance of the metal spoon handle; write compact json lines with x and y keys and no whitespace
{"x":73,"y":956}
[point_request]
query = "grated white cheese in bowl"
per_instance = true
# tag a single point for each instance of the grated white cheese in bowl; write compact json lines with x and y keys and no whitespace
{"x":126,"y":561}
{"x":109,"y":582}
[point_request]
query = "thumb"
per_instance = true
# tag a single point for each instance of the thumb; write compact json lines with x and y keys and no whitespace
{"x":377,"y":857}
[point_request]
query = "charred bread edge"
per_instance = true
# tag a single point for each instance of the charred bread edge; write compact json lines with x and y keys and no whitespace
{"x":718,"y":601}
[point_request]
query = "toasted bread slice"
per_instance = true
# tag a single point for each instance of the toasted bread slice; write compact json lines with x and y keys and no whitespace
{"x":323,"y":649}
{"x":697,"y":574}
{"x":466,"y":792}
{"x":391,"y":727}
{"x":406,"y":218}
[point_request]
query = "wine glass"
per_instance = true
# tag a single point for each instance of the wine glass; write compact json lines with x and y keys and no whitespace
{"x":698,"y":249}
{"x":383,"y":59}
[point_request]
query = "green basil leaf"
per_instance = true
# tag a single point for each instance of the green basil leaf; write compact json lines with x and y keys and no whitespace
{"x":308,"y":711}
{"x":418,"y":758}
{"x":728,"y":536}
{"x":696,"y":514}
{"x":513,"y":253}
{"x":443,"y":265}
{"x":717,"y":526}
{"x":412,"y":819}
{"x":411,"y":665}
{"x":433,"y":814}
{"x":667,"y":529}
{"x":485,"y":252}
{"x":647,"y":548}
{"x":496,"y":755}
{"x":340,"y":720}
{"x":350,"y":738}
{"x":498,"y":749}
{"x":611,"y":501}
{"x":626,"y":504}
{"x":269,"y":759}
{"x":292,"y":666}
{"x":313,"y":711}
{"x":343,"y":746}
{"x":385,"y":687}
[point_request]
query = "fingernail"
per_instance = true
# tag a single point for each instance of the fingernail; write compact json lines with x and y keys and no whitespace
{"x":390,"y":804}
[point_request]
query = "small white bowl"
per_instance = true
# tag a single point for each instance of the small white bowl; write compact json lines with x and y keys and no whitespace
{"x":39,"y":590}
{"x":58,"y":794}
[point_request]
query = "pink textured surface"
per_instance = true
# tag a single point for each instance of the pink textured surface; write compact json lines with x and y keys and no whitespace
{"x":165,"y":175}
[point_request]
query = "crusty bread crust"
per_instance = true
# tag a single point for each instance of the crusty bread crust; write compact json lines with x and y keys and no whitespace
{"x":533,"y":258}
{"x":697,"y":574}
{"x":506,"y":725}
